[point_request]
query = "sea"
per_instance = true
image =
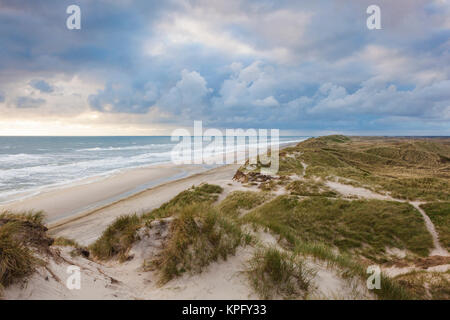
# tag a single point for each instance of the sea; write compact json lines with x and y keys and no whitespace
{"x":29,"y":165}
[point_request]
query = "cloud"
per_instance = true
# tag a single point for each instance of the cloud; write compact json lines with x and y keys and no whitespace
{"x":2,"y":97}
{"x":28,"y":102}
{"x":287,"y":64}
{"x":430,"y":102}
{"x":188,"y":96}
{"x":41,"y":85}
{"x":123,"y":97}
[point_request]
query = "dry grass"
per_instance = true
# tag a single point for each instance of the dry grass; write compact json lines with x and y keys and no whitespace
{"x":276,"y":274}
{"x":427,"y":285}
{"x":310,"y":188}
{"x":117,"y":239}
{"x":238,"y":201}
{"x":207,"y":193}
{"x":198,"y":236}
{"x":20,"y":235}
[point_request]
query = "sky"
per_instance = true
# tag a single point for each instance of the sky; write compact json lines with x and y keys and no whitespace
{"x":147,"y":67}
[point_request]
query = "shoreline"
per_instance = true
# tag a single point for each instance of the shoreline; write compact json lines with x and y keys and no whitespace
{"x":93,"y":193}
{"x":87,"y":226}
{"x":23,"y":195}
{"x":125,"y":197}
{"x":70,"y":203}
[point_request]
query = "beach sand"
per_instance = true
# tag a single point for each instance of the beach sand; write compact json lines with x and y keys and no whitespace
{"x":88,"y":194}
{"x":87,"y":226}
{"x":84,"y":210}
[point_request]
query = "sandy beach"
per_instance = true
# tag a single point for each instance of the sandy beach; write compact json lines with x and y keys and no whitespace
{"x":88,"y":194}
{"x":87,"y":226}
{"x":83,"y":210}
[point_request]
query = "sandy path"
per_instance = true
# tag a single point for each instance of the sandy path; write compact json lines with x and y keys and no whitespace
{"x":89,"y":226}
{"x":438,"y":249}
{"x":349,"y":190}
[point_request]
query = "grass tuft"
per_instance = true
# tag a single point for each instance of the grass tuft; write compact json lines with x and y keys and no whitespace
{"x":237,"y":201}
{"x":199,"y":235}
{"x":208,"y":193}
{"x":427,"y":285}
{"x":117,"y":239}
{"x":19,"y":235}
{"x":275,"y":274}
{"x":310,"y":188}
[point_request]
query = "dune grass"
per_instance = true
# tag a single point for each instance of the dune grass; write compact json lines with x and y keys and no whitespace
{"x":199,"y":235}
{"x":415,"y":169}
{"x":34,"y":217}
{"x":276,"y":274}
{"x":16,"y":259}
{"x":310,"y":188}
{"x":427,"y":285}
{"x":351,"y":266}
{"x":237,"y":201}
{"x":439,"y":213}
{"x":119,"y":237}
{"x":367,"y":227}
{"x":203,"y":193}
{"x":19,"y":234}
{"x":77,"y":249}
{"x":65,"y":242}
{"x":290,"y":165}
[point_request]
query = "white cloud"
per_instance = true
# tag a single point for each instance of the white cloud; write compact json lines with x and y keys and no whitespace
{"x":188,"y":95}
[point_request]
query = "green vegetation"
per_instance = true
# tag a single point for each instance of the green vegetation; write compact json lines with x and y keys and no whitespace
{"x":310,"y":188}
{"x":408,"y":168}
{"x":364,"y":226}
{"x":32,"y":217}
{"x":78,"y":250}
{"x":274,"y":274}
{"x":237,"y":201}
{"x":65,"y":242}
{"x":290,"y":165}
{"x":335,"y":138}
{"x":207,"y":193}
{"x":117,"y":239}
{"x":16,"y":260}
{"x":427,"y":285}
{"x":439,"y":213}
{"x":199,"y":235}
{"x":20,"y":235}
{"x":425,"y":188}
{"x":351,"y":267}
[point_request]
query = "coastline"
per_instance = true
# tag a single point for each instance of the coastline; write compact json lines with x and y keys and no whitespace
{"x":124,"y":191}
{"x":87,"y":226}
{"x":93,"y":193}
